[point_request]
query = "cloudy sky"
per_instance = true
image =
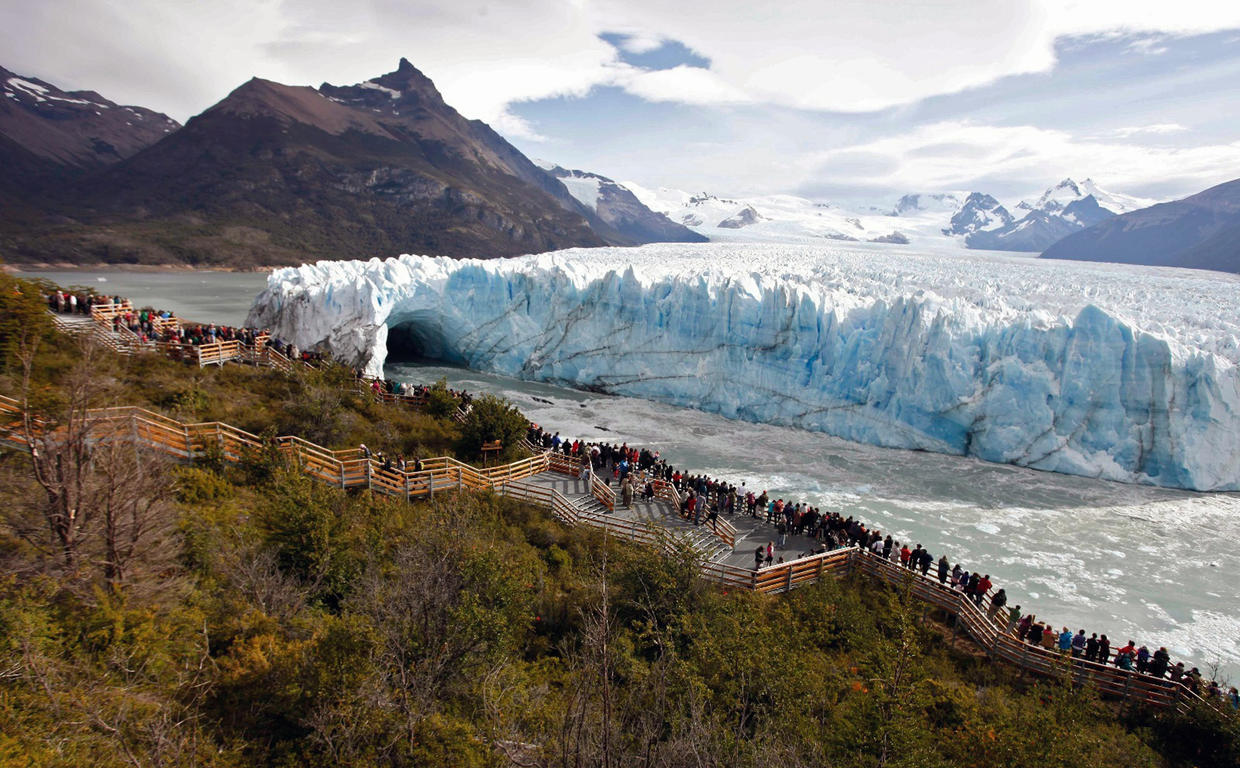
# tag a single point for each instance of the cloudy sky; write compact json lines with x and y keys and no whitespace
{"x":833,"y":99}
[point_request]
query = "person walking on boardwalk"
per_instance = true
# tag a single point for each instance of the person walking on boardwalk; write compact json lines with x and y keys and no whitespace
{"x":770,"y":552}
{"x":759,"y":554}
{"x":980,"y":589}
{"x":996,"y":603}
{"x":626,"y":493}
{"x":1013,"y":619}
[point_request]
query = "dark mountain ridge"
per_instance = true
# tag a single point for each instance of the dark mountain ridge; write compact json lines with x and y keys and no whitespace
{"x":1198,"y":232}
{"x":278,"y":174}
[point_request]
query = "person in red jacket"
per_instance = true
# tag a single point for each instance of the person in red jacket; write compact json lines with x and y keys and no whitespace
{"x":983,"y":586}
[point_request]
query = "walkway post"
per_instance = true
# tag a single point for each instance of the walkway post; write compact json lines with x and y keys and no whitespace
{"x":430,"y":484}
{"x":956,"y":622}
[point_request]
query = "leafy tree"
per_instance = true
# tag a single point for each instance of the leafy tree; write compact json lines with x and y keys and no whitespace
{"x":24,"y":321}
{"x":441,"y":403}
{"x":492,"y":418}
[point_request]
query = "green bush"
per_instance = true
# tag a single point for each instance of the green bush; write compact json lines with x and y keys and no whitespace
{"x":493,"y":418}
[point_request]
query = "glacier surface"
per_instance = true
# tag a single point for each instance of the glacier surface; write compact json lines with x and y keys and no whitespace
{"x":1107,"y":371}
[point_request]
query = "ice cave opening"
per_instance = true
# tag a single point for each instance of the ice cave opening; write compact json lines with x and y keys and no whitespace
{"x":420,"y":337}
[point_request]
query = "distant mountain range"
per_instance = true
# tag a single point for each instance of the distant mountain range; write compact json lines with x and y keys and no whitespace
{"x":1198,"y":232}
{"x":1063,"y":209}
{"x":278,"y":174}
{"x":957,"y":219}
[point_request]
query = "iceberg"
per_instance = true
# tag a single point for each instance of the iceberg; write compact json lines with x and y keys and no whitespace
{"x":1108,"y":371}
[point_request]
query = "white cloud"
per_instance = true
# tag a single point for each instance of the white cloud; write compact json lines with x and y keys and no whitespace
{"x":960,"y":155}
{"x":683,"y":84}
{"x":844,"y":55}
{"x":1156,"y":129}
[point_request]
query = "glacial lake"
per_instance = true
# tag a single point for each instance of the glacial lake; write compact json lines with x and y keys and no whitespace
{"x":1153,"y":565}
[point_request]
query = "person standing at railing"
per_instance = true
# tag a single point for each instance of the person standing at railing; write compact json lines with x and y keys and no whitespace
{"x":1159,"y":663}
{"x":1104,"y":649}
{"x":1065,"y":640}
{"x":1078,"y":644}
{"x":1124,"y":656}
{"x":942,"y":564}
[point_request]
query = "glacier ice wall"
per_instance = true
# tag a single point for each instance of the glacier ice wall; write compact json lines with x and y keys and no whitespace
{"x":1119,"y":375}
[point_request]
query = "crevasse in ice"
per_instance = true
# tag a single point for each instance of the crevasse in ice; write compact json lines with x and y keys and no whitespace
{"x":1116,"y":372}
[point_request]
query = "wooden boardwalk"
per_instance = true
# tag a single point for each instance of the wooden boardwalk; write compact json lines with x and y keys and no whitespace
{"x":555,"y":482}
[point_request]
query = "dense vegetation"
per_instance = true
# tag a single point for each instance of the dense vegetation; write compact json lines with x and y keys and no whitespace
{"x":260,"y":618}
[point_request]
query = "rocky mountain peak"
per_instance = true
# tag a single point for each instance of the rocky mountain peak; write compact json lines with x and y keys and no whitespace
{"x":74,"y":129}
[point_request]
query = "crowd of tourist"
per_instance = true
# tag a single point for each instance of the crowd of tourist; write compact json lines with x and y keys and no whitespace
{"x":704,"y":499}
{"x":409,"y":389}
{"x":156,"y":325}
{"x":77,"y":303}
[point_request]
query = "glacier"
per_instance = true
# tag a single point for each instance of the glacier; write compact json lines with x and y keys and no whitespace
{"x":1106,"y":371}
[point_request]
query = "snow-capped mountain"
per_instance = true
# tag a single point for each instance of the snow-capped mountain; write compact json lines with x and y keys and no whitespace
{"x":787,"y":218}
{"x":1065,"y":193}
{"x":979,"y":213}
{"x":1063,"y":209}
{"x":942,"y":219}
{"x":1199,"y":232}
{"x":620,"y":208}
{"x":949,"y":202}
{"x":73,"y":129}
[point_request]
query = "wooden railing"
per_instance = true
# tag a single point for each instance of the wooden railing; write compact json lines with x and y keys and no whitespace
{"x":103,"y":313}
